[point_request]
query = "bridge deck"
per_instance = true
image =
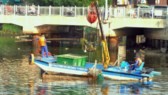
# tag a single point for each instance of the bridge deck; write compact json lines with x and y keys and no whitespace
{"x":118,"y":18}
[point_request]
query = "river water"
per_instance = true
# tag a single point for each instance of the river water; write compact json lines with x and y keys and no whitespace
{"x":17,"y":77}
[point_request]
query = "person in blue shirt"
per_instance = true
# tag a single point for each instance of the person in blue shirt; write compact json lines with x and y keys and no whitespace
{"x":138,"y":62}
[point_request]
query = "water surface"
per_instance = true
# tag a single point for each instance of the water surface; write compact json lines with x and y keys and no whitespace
{"x":17,"y":77}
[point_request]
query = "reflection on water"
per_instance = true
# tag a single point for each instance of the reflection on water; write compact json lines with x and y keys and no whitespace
{"x":17,"y":77}
{"x":106,"y":88}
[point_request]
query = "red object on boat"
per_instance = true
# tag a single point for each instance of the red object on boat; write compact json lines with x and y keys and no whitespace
{"x":92,"y":15}
{"x":49,"y":54}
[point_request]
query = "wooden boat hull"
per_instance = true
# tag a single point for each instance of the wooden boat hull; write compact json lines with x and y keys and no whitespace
{"x":49,"y":65}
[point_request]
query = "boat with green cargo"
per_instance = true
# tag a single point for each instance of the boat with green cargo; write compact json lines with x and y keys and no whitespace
{"x":76,"y":65}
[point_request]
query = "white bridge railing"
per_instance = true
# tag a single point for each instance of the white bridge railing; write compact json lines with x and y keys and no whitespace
{"x":82,"y":11}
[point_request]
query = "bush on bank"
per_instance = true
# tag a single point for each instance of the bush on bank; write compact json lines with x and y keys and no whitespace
{"x":10,"y":30}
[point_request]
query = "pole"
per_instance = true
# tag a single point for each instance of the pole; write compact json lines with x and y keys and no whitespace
{"x":105,"y":54}
{"x":100,"y":25}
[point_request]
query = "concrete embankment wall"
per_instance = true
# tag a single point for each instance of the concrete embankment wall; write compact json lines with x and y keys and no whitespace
{"x":157,"y":39}
{"x":161,"y":34}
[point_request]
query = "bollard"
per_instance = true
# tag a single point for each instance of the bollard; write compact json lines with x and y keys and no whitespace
{"x":31,"y":59}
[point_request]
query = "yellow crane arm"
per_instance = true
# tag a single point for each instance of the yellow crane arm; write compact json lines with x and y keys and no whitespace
{"x":105,"y":54}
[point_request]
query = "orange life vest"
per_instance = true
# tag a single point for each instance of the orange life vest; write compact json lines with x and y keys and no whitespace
{"x":42,"y":41}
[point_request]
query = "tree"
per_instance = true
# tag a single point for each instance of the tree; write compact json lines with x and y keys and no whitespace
{"x":64,"y":2}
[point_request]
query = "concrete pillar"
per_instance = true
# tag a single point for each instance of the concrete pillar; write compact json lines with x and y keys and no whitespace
{"x":121,"y":49}
{"x":166,"y":44}
{"x":161,"y":43}
{"x":36,"y":47}
{"x":148,"y":42}
{"x":163,"y":47}
{"x":156,"y":44}
{"x":113,"y":49}
{"x":152,"y":44}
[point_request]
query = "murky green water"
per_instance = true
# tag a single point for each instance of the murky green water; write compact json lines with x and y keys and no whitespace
{"x":17,"y":77}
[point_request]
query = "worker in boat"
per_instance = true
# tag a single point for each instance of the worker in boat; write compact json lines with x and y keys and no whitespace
{"x":137,"y":63}
{"x":43,"y":45}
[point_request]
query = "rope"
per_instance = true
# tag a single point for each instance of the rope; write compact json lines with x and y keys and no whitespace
{"x":94,"y":71}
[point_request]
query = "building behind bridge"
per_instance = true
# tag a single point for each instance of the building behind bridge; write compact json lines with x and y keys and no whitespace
{"x":134,"y":3}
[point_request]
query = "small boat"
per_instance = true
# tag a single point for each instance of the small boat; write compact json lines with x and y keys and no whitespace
{"x":81,"y":68}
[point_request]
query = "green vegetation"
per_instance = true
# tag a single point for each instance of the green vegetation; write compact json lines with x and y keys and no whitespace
{"x":11,"y":28}
{"x":5,"y":46}
{"x":66,"y":2}
{"x":11,"y":2}
{"x":10,"y":49}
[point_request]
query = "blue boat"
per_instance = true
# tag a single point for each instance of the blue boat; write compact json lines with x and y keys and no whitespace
{"x":121,"y":72}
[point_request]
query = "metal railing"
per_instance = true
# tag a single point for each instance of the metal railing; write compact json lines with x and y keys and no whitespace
{"x":42,"y":10}
{"x":82,"y":11}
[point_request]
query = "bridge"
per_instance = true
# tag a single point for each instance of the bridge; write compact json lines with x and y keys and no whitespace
{"x":30,"y":17}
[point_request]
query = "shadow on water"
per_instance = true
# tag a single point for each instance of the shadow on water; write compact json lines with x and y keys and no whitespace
{"x":17,"y":77}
